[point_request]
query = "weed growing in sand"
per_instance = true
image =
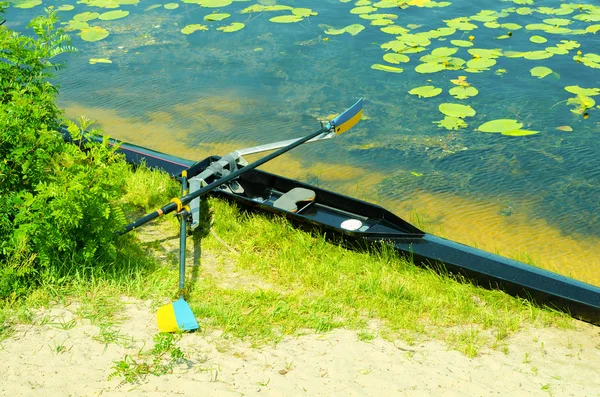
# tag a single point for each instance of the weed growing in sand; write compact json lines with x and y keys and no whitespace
{"x":158,"y":361}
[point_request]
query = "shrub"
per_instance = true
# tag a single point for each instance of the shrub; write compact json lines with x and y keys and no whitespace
{"x":57,"y":202}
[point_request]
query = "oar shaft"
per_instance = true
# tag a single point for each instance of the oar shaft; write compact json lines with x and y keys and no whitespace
{"x":189,"y":197}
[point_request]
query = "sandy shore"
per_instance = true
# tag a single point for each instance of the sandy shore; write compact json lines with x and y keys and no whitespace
{"x":50,"y":360}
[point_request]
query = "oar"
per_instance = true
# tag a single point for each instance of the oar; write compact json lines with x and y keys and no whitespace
{"x":178,"y":316}
{"x":338,"y":125}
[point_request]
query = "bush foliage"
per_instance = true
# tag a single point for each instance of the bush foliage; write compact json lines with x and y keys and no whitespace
{"x":57,"y":202}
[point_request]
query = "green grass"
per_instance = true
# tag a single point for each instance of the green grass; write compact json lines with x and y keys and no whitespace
{"x":274,"y":280}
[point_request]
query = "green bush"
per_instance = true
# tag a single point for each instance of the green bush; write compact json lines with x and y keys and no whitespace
{"x":57,"y":202}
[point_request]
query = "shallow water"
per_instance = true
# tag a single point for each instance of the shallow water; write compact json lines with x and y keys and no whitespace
{"x":532,"y":197}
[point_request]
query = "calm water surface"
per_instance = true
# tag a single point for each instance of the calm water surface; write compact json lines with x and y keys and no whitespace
{"x":535,"y":198}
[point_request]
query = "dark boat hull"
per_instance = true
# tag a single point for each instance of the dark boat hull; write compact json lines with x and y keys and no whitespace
{"x":329,"y":210}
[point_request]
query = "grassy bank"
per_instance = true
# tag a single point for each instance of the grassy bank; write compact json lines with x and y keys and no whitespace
{"x":257,"y":277}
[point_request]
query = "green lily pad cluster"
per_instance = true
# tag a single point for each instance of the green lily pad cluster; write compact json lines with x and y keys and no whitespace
{"x":297,"y":14}
{"x":454,"y":115}
{"x":583,"y":101}
{"x":589,"y":60}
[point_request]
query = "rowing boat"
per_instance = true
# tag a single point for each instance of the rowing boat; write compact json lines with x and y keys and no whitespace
{"x":356,"y":221}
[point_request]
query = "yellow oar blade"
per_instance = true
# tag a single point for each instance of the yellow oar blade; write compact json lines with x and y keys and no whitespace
{"x":176,"y":316}
{"x":348,"y":119}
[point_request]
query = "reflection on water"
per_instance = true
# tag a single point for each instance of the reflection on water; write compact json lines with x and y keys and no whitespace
{"x":212,"y":92}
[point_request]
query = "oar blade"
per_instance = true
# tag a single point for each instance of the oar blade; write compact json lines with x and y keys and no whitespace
{"x":176,"y":316}
{"x":348,"y":119}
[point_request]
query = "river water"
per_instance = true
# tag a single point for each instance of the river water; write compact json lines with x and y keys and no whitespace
{"x":534,"y":196}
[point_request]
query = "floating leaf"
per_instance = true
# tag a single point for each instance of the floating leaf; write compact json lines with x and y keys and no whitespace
{"x":86,"y":16}
{"x":233,"y":27}
{"x":461,"y":80}
{"x":593,"y":28}
{"x":354,"y":29}
{"x":456,"y":110}
{"x":93,"y":33}
{"x":565,"y":128}
{"x":584,"y":102}
{"x":481,"y":63}
{"x":462,"y":92}
{"x":430,"y":67}
{"x":444,"y":51}
{"x":362,"y":10}
{"x":286,"y":19}
{"x":451,"y":123}
{"x":394,"y":29}
{"x":461,"y":43}
{"x":214,"y":3}
{"x":335,"y":32}
{"x":500,"y":125}
{"x":94,"y":61}
{"x":25,"y":3}
{"x":194,"y":27}
{"x":540,"y":72}
{"x":112,"y":15}
{"x":216,"y":17}
{"x":65,"y":7}
{"x":538,"y":39}
{"x":392,"y":57}
{"x":303,"y":12}
{"x":574,"y":89}
{"x":171,"y":6}
{"x":537,"y":55}
{"x":519,"y":132}
{"x":426,"y":91}
{"x":387,"y":68}
{"x":557,"y":21}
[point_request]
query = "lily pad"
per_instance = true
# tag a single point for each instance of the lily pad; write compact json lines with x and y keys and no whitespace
{"x":112,"y":15}
{"x":303,"y":12}
{"x":456,"y":110}
{"x":65,"y":7}
{"x":461,"y":43}
{"x":426,"y":91}
{"x":537,"y":55}
{"x":94,"y":61}
{"x":362,"y":10}
{"x":574,"y":89}
{"x":354,"y":29}
{"x":194,"y":27}
{"x":500,"y":125}
{"x":171,"y":6}
{"x":25,"y":3}
{"x":93,"y":33}
{"x":451,"y":123}
{"x":392,"y":57}
{"x":387,"y":68}
{"x":216,"y":17}
{"x":86,"y":16}
{"x":481,"y":63}
{"x":233,"y":27}
{"x":565,"y":128}
{"x":519,"y":132}
{"x":462,"y":92}
{"x":430,"y":67}
{"x":215,"y":3}
{"x":538,"y":39}
{"x":286,"y":19}
{"x":540,"y":72}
